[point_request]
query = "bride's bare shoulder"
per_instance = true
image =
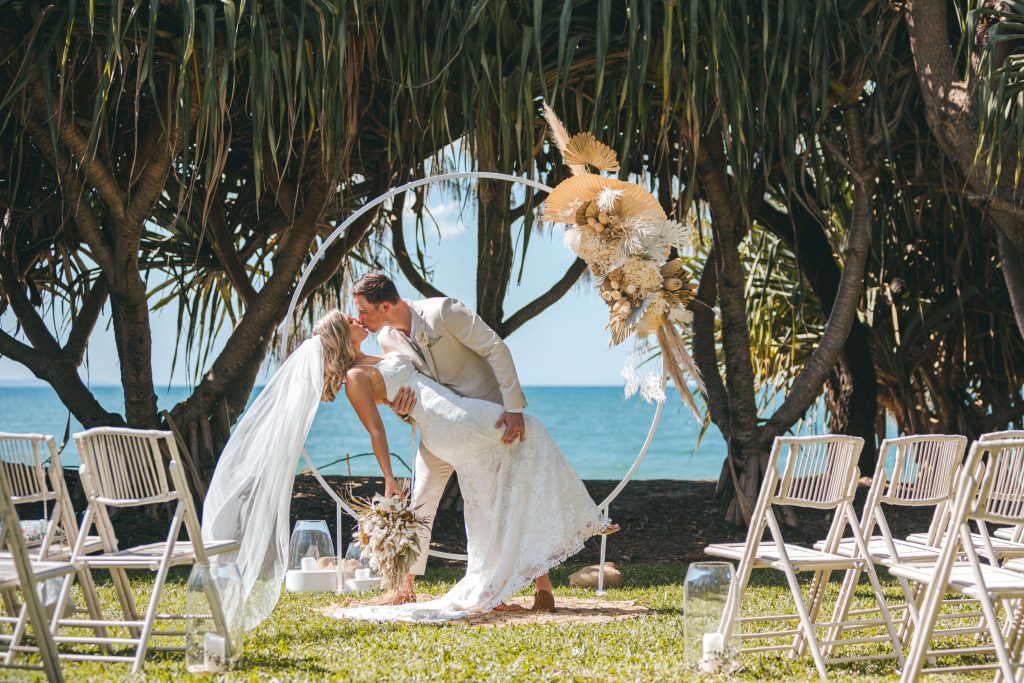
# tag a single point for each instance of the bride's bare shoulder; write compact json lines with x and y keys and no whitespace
{"x":365,"y":370}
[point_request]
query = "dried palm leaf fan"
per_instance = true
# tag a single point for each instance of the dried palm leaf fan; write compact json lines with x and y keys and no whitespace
{"x":623,"y":234}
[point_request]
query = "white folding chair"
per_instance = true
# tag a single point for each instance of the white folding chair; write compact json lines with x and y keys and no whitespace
{"x":1009,"y":533}
{"x":20,"y":572}
{"x":817,"y":472}
{"x":124,"y":468}
{"x":912,"y":471}
{"x":33,"y":480}
{"x":990,"y":491}
{"x":1007,"y":542}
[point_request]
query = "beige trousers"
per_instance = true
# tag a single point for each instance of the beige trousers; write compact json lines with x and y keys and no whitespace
{"x":432,"y":475}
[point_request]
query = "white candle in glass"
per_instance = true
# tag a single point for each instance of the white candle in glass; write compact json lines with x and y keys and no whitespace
{"x":362,"y":573}
{"x":308,"y":564}
{"x":714,"y":648}
{"x":214,"y":655}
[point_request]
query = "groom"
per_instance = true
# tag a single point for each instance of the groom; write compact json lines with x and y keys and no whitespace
{"x":450,"y":344}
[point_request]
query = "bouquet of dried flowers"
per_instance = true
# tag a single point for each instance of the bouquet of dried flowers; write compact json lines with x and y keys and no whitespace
{"x":387,"y":528}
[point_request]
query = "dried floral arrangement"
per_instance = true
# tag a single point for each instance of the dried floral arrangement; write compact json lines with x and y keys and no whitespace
{"x":387,"y":528}
{"x":623,"y":234}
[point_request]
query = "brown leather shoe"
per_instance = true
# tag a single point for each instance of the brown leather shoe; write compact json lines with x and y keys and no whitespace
{"x":543,"y":601}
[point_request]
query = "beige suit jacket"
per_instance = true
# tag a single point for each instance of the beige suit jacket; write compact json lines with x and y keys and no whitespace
{"x":459,"y":350}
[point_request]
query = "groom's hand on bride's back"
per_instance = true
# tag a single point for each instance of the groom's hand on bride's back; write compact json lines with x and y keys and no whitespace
{"x":405,"y":401}
{"x":515,"y":427}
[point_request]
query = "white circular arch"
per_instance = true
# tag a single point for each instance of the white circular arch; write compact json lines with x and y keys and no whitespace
{"x":341,"y":505}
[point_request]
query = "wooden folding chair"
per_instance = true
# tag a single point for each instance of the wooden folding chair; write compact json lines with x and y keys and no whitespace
{"x":816,"y":472}
{"x":990,"y":491}
{"x":1006,"y":543}
{"x":19,"y":572}
{"x":124,"y":468}
{"x":912,"y":471}
{"x":1009,"y":533}
{"x":34,"y":481}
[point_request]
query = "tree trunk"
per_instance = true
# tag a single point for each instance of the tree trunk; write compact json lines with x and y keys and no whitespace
{"x":949,"y":110}
{"x":744,"y":452}
{"x":852,"y":396}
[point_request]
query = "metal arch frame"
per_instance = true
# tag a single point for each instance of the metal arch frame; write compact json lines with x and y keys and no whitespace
{"x":340,"y":505}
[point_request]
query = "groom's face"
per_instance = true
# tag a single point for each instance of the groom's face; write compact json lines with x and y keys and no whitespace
{"x":373,"y":317}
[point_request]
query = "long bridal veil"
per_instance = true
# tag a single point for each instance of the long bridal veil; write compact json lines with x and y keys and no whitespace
{"x":251,"y":490}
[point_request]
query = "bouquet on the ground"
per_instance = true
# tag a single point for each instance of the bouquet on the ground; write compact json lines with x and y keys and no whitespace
{"x":387,"y":528}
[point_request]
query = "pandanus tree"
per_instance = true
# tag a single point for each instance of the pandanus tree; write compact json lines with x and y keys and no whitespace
{"x":176,"y":153}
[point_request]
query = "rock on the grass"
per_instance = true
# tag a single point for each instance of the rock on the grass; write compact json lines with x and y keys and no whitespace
{"x":587,"y":577}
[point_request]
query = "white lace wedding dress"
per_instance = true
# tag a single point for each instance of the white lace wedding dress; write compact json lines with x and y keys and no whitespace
{"x":525,"y":508}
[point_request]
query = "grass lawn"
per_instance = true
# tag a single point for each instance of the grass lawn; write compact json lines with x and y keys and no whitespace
{"x":300,"y":643}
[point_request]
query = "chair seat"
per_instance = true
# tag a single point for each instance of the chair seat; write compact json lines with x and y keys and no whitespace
{"x":1006,"y":533}
{"x":879,"y":551}
{"x":41,"y":570}
{"x":1000,"y":582}
{"x":148,"y":556}
{"x":1004,"y":548}
{"x":768,"y":555}
{"x":62,"y":551}
{"x":1015,"y":565}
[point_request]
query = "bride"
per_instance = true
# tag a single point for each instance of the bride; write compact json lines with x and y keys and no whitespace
{"x":505,"y":489}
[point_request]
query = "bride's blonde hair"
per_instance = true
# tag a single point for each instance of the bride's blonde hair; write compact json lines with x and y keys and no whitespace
{"x":338,"y":352}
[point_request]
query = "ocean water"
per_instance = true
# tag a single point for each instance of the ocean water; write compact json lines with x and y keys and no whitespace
{"x":599,"y":431}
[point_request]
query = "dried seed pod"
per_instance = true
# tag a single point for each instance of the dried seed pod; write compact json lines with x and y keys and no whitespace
{"x":592,"y":222}
{"x":616,"y":294}
{"x":630,"y":289}
{"x":581,"y":215}
{"x":603,"y":217}
{"x":607,"y":296}
{"x":592,"y":210}
{"x":598,"y":227}
{"x":673,"y":268}
{"x":672,"y":284}
{"x":614,"y":283}
{"x":622,"y":307}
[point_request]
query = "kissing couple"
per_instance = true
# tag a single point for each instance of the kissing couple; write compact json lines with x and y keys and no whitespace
{"x":450,"y":374}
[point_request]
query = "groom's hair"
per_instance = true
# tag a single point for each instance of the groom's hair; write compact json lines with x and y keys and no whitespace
{"x":376,"y":289}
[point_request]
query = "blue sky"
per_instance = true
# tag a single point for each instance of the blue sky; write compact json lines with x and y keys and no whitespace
{"x":565,"y":346}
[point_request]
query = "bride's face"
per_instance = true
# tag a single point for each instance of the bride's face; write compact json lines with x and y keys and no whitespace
{"x":356,"y":332}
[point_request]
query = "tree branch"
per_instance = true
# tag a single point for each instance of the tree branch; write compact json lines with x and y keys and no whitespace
{"x":336,"y":253}
{"x":157,"y":153}
{"x":949,"y":111}
{"x":85,"y":221}
{"x":84,"y":322}
{"x":22,"y":353}
{"x":405,"y":264}
{"x":99,"y":176}
{"x":545,"y":300}
{"x":807,"y":385}
{"x":268,"y":308}
{"x":223,"y":243}
{"x":704,"y":353}
{"x":28,"y":317}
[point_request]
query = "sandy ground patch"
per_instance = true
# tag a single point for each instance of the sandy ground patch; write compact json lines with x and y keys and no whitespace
{"x":568,"y":611}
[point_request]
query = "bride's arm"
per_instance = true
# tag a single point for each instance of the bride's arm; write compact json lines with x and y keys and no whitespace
{"x":359,"y":389}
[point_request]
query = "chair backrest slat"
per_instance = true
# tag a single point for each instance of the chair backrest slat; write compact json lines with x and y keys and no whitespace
{"x":816,"y":471}
{"x":923,"y":470}
{"x":1000,"y":493}
{"x":127,"y":466}
{"x":21,"y":458}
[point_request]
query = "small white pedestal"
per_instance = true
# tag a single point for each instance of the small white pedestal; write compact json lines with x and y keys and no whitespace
{"x":311,"y":581}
